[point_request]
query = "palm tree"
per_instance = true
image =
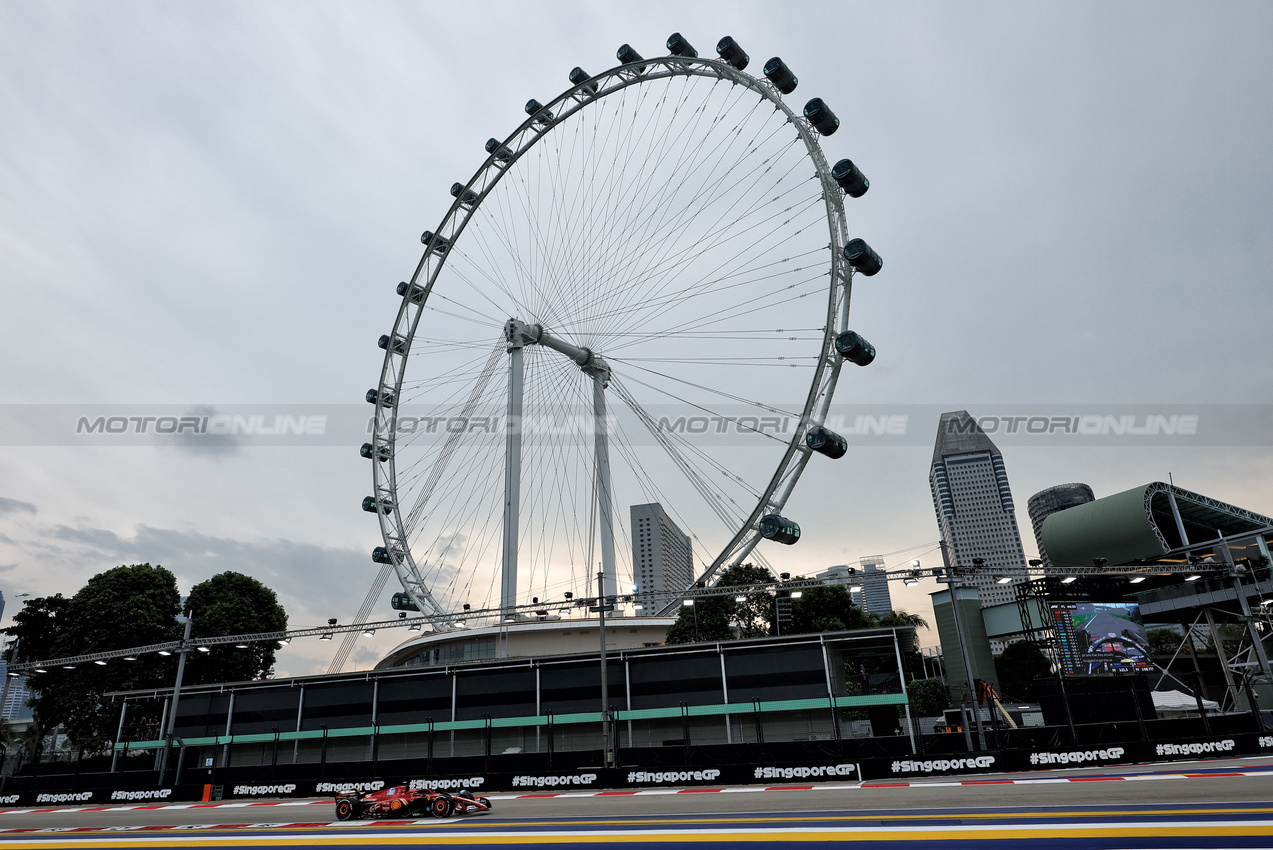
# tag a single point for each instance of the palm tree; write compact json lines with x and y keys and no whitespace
{"x":901,"y":618}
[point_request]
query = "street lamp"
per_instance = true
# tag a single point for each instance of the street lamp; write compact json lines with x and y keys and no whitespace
{"x":953,"y":574}
{"x":188,"y":619}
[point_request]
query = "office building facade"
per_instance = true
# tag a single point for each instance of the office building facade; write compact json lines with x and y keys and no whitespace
{"x":974,"y":507}
{"x":874,"y":597}
{"x":662,"y":556}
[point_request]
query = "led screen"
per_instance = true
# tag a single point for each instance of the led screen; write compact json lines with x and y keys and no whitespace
{"x":1100,"y":637}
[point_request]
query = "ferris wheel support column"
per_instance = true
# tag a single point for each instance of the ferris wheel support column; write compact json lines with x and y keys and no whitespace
{"x":512,"y":467}
{"x":605,"y":506}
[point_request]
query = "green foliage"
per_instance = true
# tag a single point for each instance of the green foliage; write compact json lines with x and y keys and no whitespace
{"x":828,"y":608}
{"x":233,"y":604}
{"x":1163,"y":643}
{"x":710,"y":618}
{"x":901,"y":618}
{"x":120,"y":608}
{"x":38,"y":624}
{"x":927,"y":697}
{"x":132,"y":606}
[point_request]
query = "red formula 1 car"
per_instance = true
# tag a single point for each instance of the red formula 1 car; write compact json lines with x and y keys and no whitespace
{"x":403,"y":801}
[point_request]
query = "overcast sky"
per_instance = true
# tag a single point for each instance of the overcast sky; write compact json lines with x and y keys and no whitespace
{"x":206,"y":204}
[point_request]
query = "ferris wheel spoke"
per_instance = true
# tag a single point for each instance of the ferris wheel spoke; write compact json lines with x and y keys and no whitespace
{"x":690,"y":291}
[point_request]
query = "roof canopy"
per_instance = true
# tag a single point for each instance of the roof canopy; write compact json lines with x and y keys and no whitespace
{"x":1145,"y":522}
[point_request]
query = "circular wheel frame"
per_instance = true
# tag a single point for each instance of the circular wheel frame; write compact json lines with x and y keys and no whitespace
{"x":774,"y":494}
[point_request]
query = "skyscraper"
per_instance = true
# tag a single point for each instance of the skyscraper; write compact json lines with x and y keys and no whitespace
{"x":1047,"y":502}
{"x":662,"y":557}
{"x":874,"y":597}
{"x":974,"y":505}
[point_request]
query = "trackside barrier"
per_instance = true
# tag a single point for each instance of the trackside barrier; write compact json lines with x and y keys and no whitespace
{"x":779,"y":764}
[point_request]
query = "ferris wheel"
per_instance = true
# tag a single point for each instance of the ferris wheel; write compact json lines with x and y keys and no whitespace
{"x":640,"y":296}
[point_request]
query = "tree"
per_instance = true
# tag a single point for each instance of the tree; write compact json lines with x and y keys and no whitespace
{"x":38,"y":625}
{"x":713,"y":618}
{"x":1163,"y":643}
{"x":901,"y":618}
{"x":1020,"y":664}
{"x":231,"y":603}
{"x":131,"y":606}
{"x":123,"y":607}
{"x":828,"y":608}
{"x":927,"y":697}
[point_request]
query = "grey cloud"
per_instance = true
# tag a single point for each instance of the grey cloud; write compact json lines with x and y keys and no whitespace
{"x":14,"y":506}
{"x":313,"y":582}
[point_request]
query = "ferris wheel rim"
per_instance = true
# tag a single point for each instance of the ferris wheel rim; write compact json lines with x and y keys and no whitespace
{"x":437,"y":250}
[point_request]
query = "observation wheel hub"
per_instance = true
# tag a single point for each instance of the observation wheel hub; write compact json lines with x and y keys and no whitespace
{"x":521,"y":334}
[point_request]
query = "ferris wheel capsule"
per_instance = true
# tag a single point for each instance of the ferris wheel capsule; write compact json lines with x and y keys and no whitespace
{"x":580,"y":77}
{"x":777,"y":72}
{"x":413,"y":291}
{"x":850,"y":178}
{"x":779,"y":529}
{"x":628,"y":56}
{"x":821,"y":116}
{"x":862,"y":257}
{"x":371,"y":504}
{"x":537,"y":112}
{"x":827,"y":442}
{"x":381,"y":555}
{"x":467,"y":197}
{"x":370,"y":452}
{"x":438,"y":241}
{"x":501,"y":152}
{"x":854,"y":348}
{"x":678,"y":46}
{"x":733,"y":53}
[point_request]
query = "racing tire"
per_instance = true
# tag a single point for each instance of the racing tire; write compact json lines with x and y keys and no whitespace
{"x":346,"y":810}
{"x":442,"y":806}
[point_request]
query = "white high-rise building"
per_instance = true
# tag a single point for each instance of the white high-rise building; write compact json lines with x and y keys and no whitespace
{"x":662,"y":557}
{"x":974,"y":506}
{"x":874,"y":597}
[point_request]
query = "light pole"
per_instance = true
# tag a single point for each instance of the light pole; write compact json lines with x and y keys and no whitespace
{"x":176,"y":695}
{"x":602,"y":604}
{"x":952,"y":573}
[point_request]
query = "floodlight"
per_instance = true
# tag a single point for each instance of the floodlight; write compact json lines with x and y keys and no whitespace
{"x":1069,"y":579}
